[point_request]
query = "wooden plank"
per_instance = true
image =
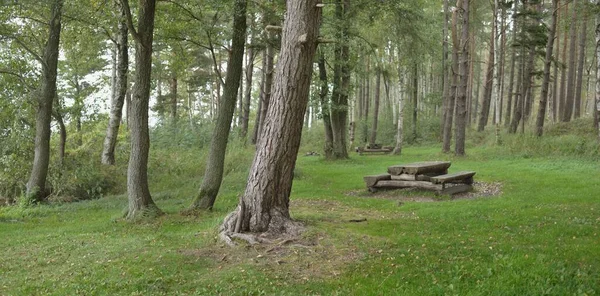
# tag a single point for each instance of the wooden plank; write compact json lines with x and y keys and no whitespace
{"x":456,"y":189}
{"x":420,"y":168}
{"x":405,"y":184}
{"x":464,"y":177}
{"x":407,"y":177}
{"x":372,"y":180}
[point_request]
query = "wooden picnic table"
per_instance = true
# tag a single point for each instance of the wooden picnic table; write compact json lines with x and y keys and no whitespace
{"x":429,"y":175}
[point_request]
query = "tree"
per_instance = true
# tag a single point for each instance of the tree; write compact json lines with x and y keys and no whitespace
{"x":36,"y":186}
{"x":539,"y":125}
{"x":264,"y":206}
{"x":489,"y":84}
{"x":450,"y":105}
{"x":118,"y":100}
{"x":580,"y":62}
{"x":213,"y":175}
{"x":341,"y":82}
{"x":597,"y":52}
{"x":325,"y":106}
{"x":140,"y":201}
{"x":461,"y":93}
{"x":570,"y":98}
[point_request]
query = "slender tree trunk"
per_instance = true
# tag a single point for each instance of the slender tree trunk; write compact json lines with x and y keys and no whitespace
{"x":447,"y":137}
{"x":264,"y":207}
{"x":570,"y":99}
{"x":415,"y":100}
{"x":580,"y":69}
{"x":488,"y":87}
{"x":140,"y":201}
{"x":248,"y":95}
{"x":260,"y":100}
{"x":173,"y":103}
{"x":445,"y":71}
{"x":461,"y":97}
{"x":116,"y":108}
{"x":563,"y":71}
{"x":213,"y":175}
{"x":376,"y":107}
{"x":547,"y":63}
{"x":596,"y":108}
{"x":268,"y":72}
{"x":511,"y":76}
{"x":367,"y":102}
{"x":341,"y":83}
{"x":325,"y":110}
{"x":400,"y":123}
{"x":63,"y":132}
{"x":36,"y":186}
{"x":555,"y":93}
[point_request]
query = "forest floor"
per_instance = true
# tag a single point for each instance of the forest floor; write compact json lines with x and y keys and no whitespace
{"x":532,"y":227}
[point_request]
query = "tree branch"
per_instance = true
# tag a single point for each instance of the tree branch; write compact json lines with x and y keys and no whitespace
{"x":26,"y":48}
{"x":214,"y":57}
{"x":134,"y":33}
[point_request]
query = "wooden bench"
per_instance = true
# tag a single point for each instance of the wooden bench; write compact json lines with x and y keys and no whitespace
{"x":384,"y":149}
{"x":465,"y":177}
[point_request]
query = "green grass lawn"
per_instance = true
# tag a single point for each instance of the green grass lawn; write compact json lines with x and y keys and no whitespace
{"x":539,"y":237}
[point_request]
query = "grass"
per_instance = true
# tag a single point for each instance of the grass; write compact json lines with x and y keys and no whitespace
{"x":540,"y":237}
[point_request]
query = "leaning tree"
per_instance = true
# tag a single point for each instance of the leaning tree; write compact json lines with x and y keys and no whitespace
{"x":264,"y":207}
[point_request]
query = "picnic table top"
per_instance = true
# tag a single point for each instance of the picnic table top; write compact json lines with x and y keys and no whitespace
{"x":419,"y":167}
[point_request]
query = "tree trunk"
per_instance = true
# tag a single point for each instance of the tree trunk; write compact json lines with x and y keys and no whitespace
{"x":539,"y":124}
{"x":63,"y":133}
{"x":596,"y":108}
{"x":447,"y":136}
{"x":367,"y":102}
{"x":264,"y":207}
{"x":36,"y":186}
{"x":248,"y":95}
{"x":570,"y":98}
{"x":511,"y":76}
{"x":563,"y":71}
{"x":341,"y":83}
{"x":116,"y":108}
{"x":555,"y":88}
{"x":580,"y":69}
{"x":376,"y":107}
{"x":173,"y":102}
{"x":400,"y":124}
{"x":258,"y":119}
{"x":488,"y":87}
{"x":140,"y":201}
{"x":461,"y":97}
{"x":325,"y":110}
{"x":445,"y":71}
{"x":268,"y":77}
{"x":415,"y":99}
{"x":213,"y":175}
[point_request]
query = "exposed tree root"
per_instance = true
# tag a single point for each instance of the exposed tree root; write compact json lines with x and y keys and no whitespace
{"x":279,"y":228}
{"x":148,"y":212}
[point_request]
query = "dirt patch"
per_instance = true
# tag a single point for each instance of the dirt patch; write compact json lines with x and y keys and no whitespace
{"x":311,"y":257}
{"x":480,"y":190}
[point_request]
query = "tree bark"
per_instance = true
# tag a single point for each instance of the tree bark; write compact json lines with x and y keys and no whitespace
{"x":555,"y":93}
{"x":570,"y":98}
{"x":264,"y":207}
{"x":140,"y":201}
{"x":268,"y":68}
{"x":511,"y":75}
{"x":539,"y":124}
{"x":376,"y":107}
{"x":36,"y":186}
{"x":248,"y":94}
{"x":415,"y":100}
{"x":580,"y":69}
{"x":116,"y":108}
{"x":597,"y":95}
{"x":445,"y":71}
{"x":461,"y":97}
{"x":488,"y":87}
{"x":325,"y":109}
{"x":563,"y":71}
{"x":400,"y":123}
{"x":341,"y":83}
{"x":447,"y":137}
{"x":173,"y":102}
{"x":213,"y":175}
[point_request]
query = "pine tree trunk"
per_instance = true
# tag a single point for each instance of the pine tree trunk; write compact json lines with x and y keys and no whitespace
{"x":116,"y":108}
{"x":563,"y":71}
{"x":596,"y":108}
{"x":258,"y":119}
{"x":400,"y":123}
{"x":580,"y":69}
{"x":461,"y":97}
{"x":539,"y":124}
{"x":264,"y":207}
{"x":488,"y":87}
{"x":268,"y":83}
{"x":140,"y":201}
{"x":555,"y":93}
{"x":173,"y":102}
{"x":570,"y":98}
{"x":445,"y":71}
{"x":415,"y":100}
{"x":341,"y":83}
{"x":325,"y":110}
{"x":36,"y":186}
{"x":511,"y":77}
{"x":213,"y":175}
{"x":376,"y":107}
{"x":248,"y":94}
{"x":447,"y":136}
